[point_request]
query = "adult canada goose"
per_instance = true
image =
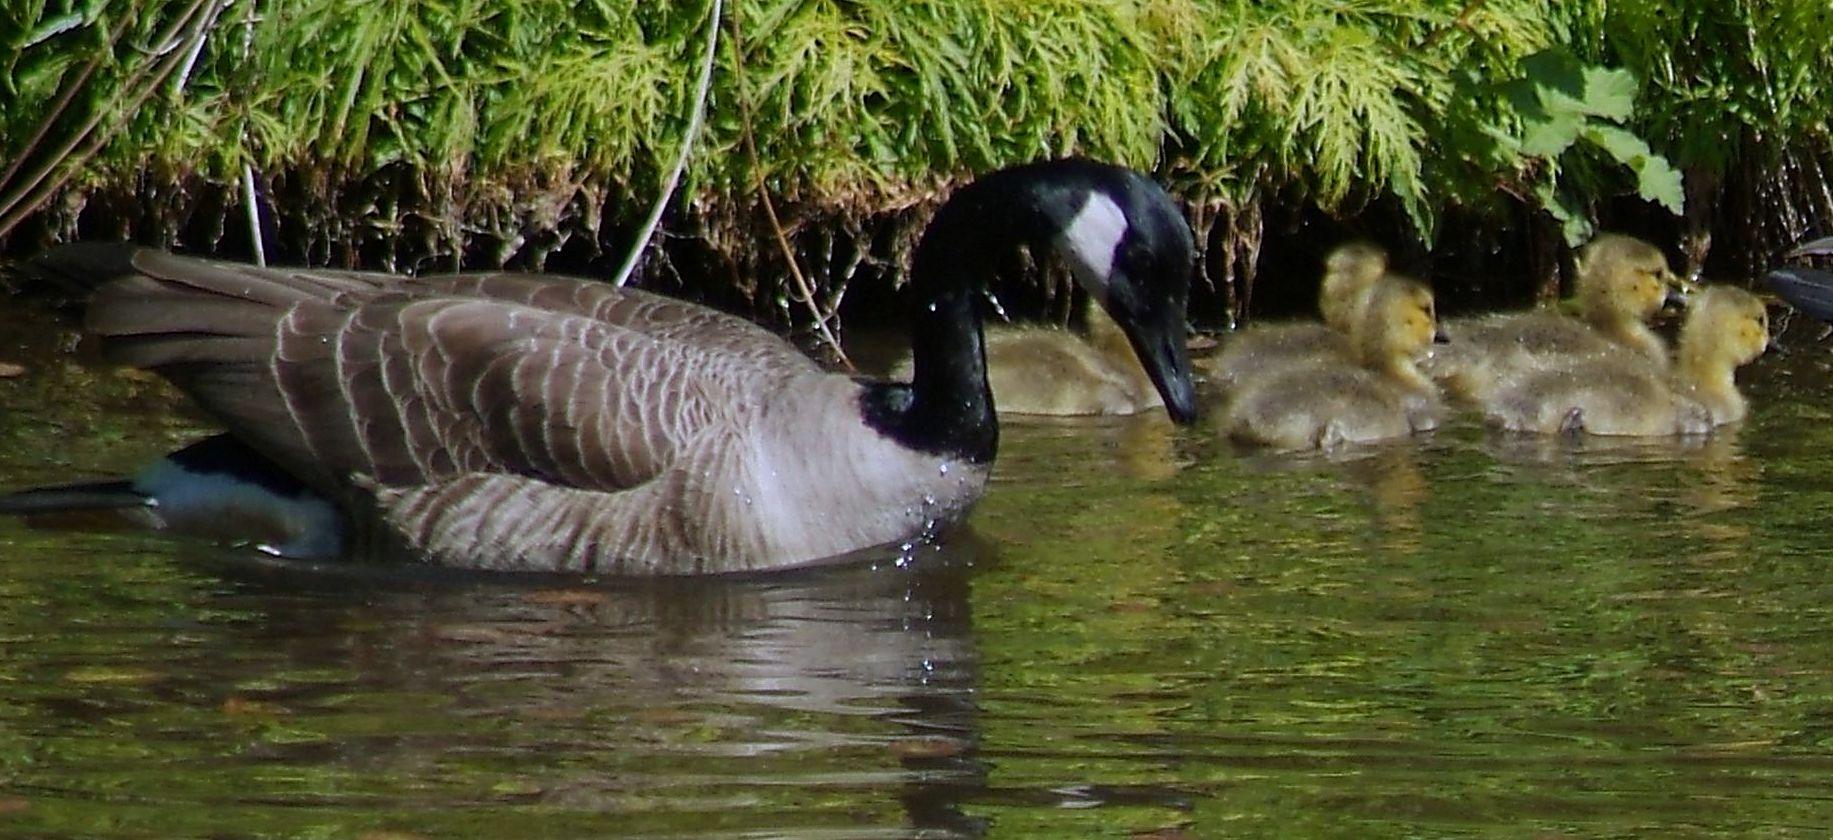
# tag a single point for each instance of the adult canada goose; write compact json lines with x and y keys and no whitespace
{"x":516,"y":421}
{"x":1601,"y":395}
{"x":1380,"y":395}
{"x":1049,"y":371}
{"x":1350,"y":273}
{"x":1622,"y":283}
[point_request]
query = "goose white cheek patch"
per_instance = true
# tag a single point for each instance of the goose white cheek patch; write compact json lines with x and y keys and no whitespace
{"x":1093,"y":238}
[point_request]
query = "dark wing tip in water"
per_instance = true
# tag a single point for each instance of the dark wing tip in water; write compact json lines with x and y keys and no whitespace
{"x":1807,"y":289}
{"x":104,"y":495}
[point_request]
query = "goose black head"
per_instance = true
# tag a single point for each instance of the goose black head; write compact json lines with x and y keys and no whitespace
{"x":1128,"y":246}
{"x":1131,"y":249}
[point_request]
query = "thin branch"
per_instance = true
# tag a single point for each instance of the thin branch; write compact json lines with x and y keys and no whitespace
{"x":252,"y":207}
{"x":695,"y":118}
{"x":197,"y":49}
{"x":251,"y":199}
{"x":29,"y":198}
{"x":63,"y":102}
{"x":803,"y":287}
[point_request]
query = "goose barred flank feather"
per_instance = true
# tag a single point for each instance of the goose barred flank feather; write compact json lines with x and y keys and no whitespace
{"x":503,"y":420}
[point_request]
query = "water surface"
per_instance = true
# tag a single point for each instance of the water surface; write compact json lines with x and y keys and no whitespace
{"x":1145,"y":634}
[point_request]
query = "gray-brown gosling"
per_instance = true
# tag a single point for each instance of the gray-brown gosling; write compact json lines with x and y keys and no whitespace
{"x":1622,"y":284}
{"x":1048,"y":371}
{"x":1381,"y":394}
{"x":1350,"y":273}
{"x":1725,"y":329}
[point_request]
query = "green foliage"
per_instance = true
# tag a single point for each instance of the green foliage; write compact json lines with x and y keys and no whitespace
{"x":495,"y":106}
{"x":1559,"y":101}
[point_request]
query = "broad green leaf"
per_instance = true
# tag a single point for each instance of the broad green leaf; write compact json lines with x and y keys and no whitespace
{"x":1555,"y":71}
{"x":1623,"y":146}
{"x":1574,"y":224}
{"x":1551,"y":136}
{"x":1609,"y":93}
{"x":1656,"y":180}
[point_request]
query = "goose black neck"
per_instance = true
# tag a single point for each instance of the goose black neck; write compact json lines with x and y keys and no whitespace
{"x":947,"y":408}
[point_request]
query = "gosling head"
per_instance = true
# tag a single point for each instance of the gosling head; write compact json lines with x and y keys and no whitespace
{"x":1725,"y":327}
{"x":1349,"y":273}
{"x":1399,"y":325}
{"x":1622,"y":278}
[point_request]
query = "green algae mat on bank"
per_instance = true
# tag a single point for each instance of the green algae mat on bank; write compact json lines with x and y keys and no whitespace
{"x":1144,"y":635}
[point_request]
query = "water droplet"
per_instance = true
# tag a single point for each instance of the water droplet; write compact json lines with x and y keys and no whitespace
{"x":997,"y":306}
{"x":945,"y":468}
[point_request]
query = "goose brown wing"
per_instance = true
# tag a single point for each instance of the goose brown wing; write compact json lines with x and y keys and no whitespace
{"x":337,"y":374}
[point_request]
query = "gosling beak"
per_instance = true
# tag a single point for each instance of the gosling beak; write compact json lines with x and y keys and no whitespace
{"x":1818,"y":248}
{"x":1439,"y":336}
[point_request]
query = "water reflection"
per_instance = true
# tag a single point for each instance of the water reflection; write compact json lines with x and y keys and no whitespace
{"x":1703,"y":481}
{"x":1386,"y":480}
{"x":668,"y":698}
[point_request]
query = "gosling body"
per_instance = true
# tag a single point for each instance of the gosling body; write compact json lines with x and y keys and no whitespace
{"x":1350,"y":273}
{"x":1379,"y":396}
{"x":1619,"y":396}
{"x":1622,"y":283}
{"x":1055,"y":372}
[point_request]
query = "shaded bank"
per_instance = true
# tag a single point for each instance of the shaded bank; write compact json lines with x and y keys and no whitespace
{"x":533,"y":132}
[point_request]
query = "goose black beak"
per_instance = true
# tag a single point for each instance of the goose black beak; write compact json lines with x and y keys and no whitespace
{"x":1162,"y":350}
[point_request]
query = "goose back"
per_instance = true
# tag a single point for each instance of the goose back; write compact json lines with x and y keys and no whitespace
{"x":525,"y":421}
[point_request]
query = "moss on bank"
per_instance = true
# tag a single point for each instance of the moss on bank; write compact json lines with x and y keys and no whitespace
{"x":417,"y":133}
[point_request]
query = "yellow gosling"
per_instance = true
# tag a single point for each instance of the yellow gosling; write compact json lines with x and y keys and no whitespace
{"x":1725,"y":329}
{"x":1622,"y":284}
{"x":1049,"y":371}
{"x":1350,"y":273}
{"x":1381,"y":394}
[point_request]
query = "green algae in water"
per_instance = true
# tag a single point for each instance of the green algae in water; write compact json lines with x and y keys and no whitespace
{"x":1145,"y":634}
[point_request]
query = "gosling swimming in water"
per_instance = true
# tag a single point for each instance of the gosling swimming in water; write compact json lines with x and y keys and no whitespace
{"x":1725,"y":328}
{"x":1623,"y":282}
{"x":1050,"y":371}
{"x":1350,"y":273}
{"x":1381,"y":394}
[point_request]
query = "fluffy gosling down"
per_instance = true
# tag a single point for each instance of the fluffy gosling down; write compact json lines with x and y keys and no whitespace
{"x":1048,"y":371}
{"x":1350,"y":273}
{"x":1622,"y":284}
{"x":1725,"y":329}
{"x":1382,"y":394}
